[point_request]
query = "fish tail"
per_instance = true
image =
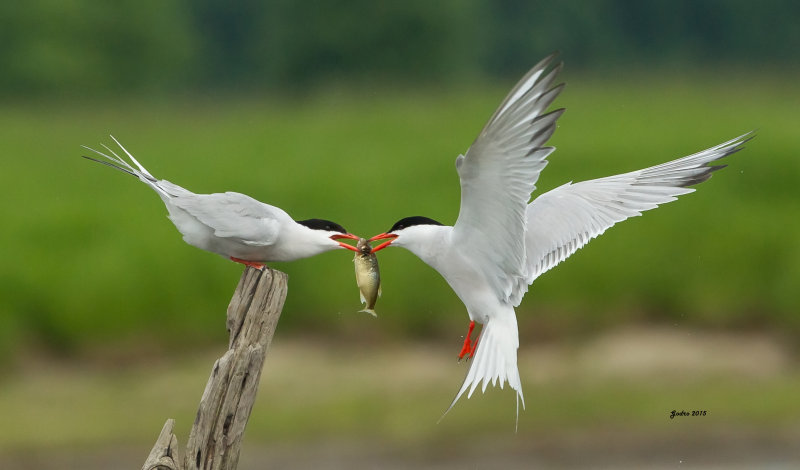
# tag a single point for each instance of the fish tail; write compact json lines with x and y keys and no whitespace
{"x":370,"y":311}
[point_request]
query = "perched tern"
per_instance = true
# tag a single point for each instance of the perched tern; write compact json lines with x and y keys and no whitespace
{"x":501,"y":243}
{"x":235,"y":225}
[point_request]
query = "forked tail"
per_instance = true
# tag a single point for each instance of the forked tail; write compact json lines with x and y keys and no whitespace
{"x":495,"y":359}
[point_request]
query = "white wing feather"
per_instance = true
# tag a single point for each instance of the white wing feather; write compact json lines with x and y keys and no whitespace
{"x":230,"y":215}
{"x":498,"y":174}
{"x":235,"y":215}
{"x":565,"y":219}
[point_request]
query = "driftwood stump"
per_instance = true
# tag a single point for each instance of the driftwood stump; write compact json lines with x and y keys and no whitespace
{"x":216,"y":436}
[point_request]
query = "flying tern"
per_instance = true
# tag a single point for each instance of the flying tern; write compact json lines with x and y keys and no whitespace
{"x":501,"y":243}
{"x":235,"y":225}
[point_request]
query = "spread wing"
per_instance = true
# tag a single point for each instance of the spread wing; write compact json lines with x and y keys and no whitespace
{"x":563,"y":220}
{"x":498,"y":174}
{"x":234,"y":215}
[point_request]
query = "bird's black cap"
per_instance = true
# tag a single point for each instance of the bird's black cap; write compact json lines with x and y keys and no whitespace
{"x":322,"y":224}
{"x":415,"y":220}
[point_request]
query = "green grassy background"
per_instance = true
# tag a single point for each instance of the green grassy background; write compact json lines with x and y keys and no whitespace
{"x":109,"y":322}
{"x":90,"y":260}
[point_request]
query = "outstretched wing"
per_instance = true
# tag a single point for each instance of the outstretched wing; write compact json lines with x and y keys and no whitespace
{"x":498,"y":174}
{"x":235,"y":215}
{"x":563,"y":220}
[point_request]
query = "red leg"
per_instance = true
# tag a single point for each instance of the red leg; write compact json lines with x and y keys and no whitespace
{"x":474,"y":346}
{"x":468,"y":347}
{"x":252,"y":264}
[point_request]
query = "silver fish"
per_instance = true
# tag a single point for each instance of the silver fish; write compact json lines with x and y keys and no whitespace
{"x":368,"y":276}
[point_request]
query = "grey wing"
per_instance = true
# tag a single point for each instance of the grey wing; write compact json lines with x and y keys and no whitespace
{"x":235,"y":215}
{"x":565,"y":219}
{"x":230,"y":215}
{"x":498,"y":174}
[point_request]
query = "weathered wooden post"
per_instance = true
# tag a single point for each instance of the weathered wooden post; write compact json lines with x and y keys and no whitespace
{"x":216,"y":436}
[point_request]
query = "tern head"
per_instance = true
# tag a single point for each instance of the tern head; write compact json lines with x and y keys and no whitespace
{"x":406,"y":231}
{"x":330,"y":230}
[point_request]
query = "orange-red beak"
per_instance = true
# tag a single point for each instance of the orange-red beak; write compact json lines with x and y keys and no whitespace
{"x":348,"y":236}
{"x":383,"y":236}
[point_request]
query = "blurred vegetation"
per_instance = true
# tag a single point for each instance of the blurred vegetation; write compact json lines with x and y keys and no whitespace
{"x":356,"y":114}
{"x":82,"y":47}
{"x":91,"y":259}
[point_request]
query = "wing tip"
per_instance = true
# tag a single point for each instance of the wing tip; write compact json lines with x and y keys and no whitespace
{"x":109,"y":164}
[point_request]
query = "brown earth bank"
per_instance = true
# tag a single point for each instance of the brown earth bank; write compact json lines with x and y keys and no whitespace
{"x":600,"y":403}
{"x":621,"y":449}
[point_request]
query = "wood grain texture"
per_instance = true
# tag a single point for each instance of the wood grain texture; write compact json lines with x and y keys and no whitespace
{"x":164,"y":455}
{"x":216,"y":436}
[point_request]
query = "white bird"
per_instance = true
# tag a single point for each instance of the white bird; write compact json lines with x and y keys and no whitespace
{"x":500,"y":243}
{"x":235,"y":225}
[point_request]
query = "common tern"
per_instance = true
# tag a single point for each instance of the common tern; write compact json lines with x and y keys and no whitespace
{"x":235,"y":225}
{"x":501,"y":243}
